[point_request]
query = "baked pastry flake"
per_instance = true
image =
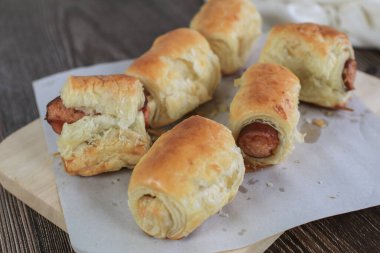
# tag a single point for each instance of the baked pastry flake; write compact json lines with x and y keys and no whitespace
{"x":321,"y":57}
{"x":231,"y":27}
{"x":264,"y":114}
{"x":188,"y":175}
{"x":179,"y":72}
{"x":100,"y":123}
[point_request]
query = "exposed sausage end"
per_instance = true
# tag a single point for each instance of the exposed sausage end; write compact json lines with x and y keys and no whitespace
{"x":349,"y":73}
{"x":58,"y":114}
{"x":258,"y":140}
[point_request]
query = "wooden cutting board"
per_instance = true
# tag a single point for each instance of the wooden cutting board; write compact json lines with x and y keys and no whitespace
{"x":26,"y":168}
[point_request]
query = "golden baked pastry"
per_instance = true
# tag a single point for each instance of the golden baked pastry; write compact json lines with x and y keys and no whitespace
{"x":321,"y":57}
{"x":264,"y":113}
{"x":231,"y":27}
{"x":100,"y":122}
{"x":179,"y":72}
{"x":188,"y":175}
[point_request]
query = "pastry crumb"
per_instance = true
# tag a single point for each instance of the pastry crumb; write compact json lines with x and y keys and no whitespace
{"x":223,"y":214}
{"x":222,"y":107}
{"x":242,"y":231}
{"x":307,"y":120}
{"x":319,"y":123}
{"x":213,"y":113}
{"x":242,"y":189}
{"x":253,"y":181}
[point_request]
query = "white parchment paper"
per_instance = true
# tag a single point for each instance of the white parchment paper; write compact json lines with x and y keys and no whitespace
{"x":337,"y":171}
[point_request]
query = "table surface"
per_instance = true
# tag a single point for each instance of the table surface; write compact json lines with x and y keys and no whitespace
{"x":40,"y":37}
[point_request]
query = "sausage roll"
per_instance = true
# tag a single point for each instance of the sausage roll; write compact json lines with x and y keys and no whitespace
{"x":188,"y":175}
{"x":231,"y":27}
{"x":321,"y":57}
{"x":179,"y":72}
{"x":264,"y":114}
{"x":100,"y":123}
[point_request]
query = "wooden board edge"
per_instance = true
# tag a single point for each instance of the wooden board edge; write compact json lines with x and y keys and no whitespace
{"x":37,"y":204}
{"x":51,"y":211}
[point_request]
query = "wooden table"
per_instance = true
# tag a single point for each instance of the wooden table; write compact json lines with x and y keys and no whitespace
{"x":39,"y":38}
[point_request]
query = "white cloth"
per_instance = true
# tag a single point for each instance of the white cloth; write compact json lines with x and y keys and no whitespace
{"x":360,"y":19}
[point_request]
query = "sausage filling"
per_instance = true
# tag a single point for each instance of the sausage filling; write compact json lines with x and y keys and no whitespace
{"x":258,"y":140}
{"x":145,"y":108}
{"x":58,"y":114}
{"x":348,"y":75}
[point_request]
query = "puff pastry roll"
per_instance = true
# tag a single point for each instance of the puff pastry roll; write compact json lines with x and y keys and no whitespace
{"x":264,"y":114}
{"x":231,"y":27}
{"x":188,"y":175}
{"x":100,"y":123}
{"x":179,"y":72}
{"x":321,"y":57}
